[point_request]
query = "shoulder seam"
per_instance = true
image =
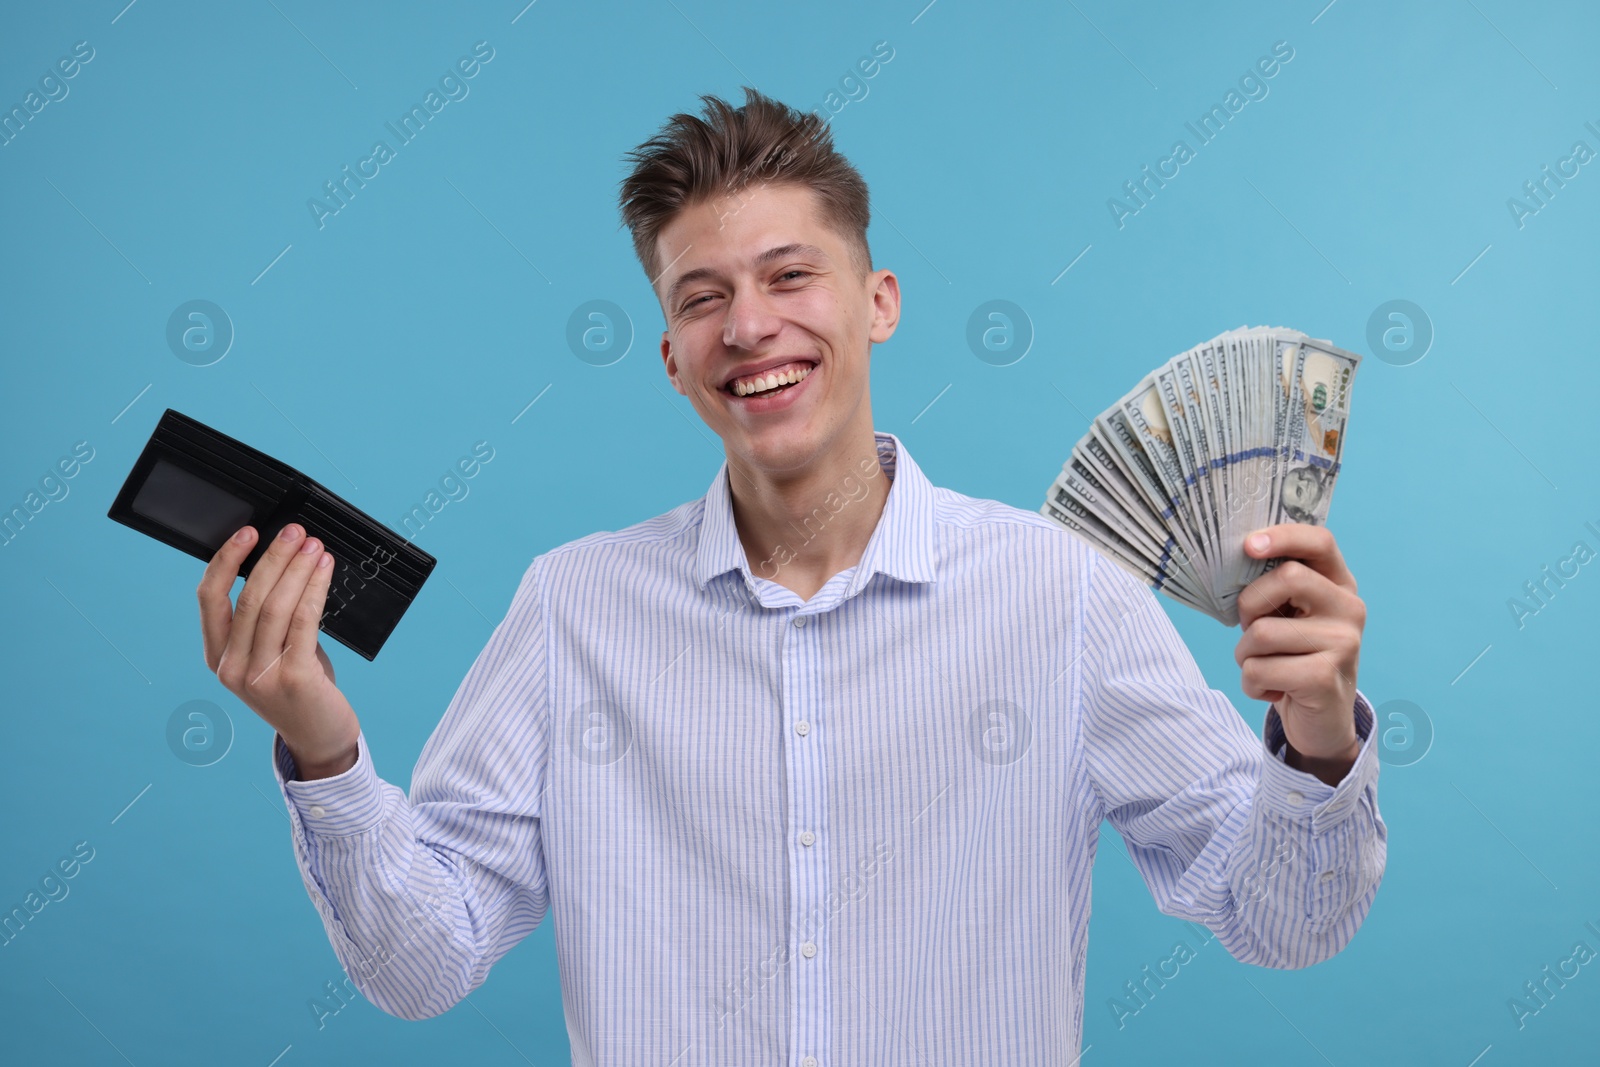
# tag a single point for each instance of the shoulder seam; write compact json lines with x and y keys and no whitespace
{"x":636,"y":533}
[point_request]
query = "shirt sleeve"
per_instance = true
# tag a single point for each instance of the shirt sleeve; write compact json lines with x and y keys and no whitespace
{"x":1280,"y":865}
{"x":421,"y":896}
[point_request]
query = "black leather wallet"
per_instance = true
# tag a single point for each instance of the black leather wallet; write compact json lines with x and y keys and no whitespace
{"x":193,"y":486}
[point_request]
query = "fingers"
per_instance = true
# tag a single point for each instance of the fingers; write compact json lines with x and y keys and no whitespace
{"x":1268,"y":678}
{"x":1271,"y":678}
{"x":1313,"y":545}
{"x":247,"y":609}
{"x":1294,"y":585}
{"x":269,"y":646}
{"x":216,"y":606}
{"x":303,"y":628}
{"x":1270,"y":636}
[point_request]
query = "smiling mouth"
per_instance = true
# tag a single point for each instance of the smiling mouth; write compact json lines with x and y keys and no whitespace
{"x":775,"y":390}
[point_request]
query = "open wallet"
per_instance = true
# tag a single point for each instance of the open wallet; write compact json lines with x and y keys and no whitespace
{"x":193,"y":487}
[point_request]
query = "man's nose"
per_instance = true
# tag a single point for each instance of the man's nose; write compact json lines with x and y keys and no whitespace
{"x":750,"y":320}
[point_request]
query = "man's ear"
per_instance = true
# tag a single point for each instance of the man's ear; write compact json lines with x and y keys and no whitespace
{"x":885,"y":306}
{"x":671,"y":362}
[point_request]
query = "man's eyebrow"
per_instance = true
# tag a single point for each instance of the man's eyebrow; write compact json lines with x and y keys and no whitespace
{"x":793,"y":248}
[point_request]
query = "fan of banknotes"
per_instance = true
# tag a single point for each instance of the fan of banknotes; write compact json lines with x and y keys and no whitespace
{"x":1241,"y":432}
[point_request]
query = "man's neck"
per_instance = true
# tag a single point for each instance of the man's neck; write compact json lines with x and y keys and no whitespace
{"x":801,"y":531}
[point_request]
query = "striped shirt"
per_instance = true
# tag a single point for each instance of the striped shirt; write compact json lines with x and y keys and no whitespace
{"x":854,"y":829}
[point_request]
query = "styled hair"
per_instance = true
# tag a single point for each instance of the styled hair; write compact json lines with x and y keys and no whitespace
{"x":693,"y":159}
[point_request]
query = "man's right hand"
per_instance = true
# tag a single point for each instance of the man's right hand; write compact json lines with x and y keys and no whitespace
{"x":265,"y":650}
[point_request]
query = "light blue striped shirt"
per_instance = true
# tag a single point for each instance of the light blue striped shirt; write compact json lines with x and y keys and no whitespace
{"x":855,"y":829}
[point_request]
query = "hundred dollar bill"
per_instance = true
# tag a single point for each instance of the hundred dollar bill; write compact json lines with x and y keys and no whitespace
{"x":1242,"y":431}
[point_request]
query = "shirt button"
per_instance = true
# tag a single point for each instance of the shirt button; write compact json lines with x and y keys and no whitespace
{"x":809,"y":1061}
{"x":800,"y":620}
{"x":802,"y":728}
{"x":1295,"y":796}
{"x":318,"y":811}
{"x":808,"y":838}
{"x":808,"y":949}
{"x":1327,"y":876}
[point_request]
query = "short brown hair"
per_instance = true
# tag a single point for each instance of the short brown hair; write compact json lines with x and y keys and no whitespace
{"x":692,"y":159}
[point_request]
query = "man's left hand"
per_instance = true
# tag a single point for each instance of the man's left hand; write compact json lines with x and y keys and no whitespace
{"x":1302,"y":624}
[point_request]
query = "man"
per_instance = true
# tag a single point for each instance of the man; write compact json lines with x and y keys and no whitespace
{"x":810,"y":770}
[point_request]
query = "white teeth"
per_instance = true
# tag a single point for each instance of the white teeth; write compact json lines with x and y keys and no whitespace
{"x":770,"y":381}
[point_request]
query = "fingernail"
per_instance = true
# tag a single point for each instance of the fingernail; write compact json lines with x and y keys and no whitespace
{"x":242,"y":536}
{"x":287,"y":533}
{"x":1259,"y":541}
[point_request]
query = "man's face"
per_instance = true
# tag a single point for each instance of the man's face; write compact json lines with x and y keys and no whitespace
{"x":756,"y":278}
{"x":1301,"y":489}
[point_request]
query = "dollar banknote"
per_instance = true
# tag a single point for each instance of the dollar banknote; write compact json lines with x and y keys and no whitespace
{"x":1244,"y":431}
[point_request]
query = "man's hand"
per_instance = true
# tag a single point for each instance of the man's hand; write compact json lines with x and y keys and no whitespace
{"x":1302,"y":624}
{"x":265,"y":650}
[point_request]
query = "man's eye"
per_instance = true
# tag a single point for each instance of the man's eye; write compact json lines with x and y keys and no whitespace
{"x":787,"y":273}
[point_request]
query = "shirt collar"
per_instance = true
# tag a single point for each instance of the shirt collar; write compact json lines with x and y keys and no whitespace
{"x":901,"y":546}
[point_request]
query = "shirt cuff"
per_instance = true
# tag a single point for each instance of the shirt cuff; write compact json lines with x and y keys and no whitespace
{"x":338,"y":806}
{"x":1298,"y":794}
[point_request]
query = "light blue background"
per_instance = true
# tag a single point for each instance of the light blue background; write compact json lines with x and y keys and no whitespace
{"x":432,"y":309}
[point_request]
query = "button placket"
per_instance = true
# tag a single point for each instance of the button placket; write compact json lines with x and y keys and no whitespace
{"x":806,"y":784}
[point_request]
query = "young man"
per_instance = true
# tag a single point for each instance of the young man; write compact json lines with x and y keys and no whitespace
{"x":810,"y":770}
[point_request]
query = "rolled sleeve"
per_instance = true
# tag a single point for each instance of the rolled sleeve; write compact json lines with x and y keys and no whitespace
{"x":1315,"y":853}
{"x":1295,"y":793}
{"x":348,"y":803}
{"x":1280,"y":865}
{"x":421,"y":895}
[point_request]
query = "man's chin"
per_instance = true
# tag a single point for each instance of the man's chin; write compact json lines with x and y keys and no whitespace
{"x":776,"y":449}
